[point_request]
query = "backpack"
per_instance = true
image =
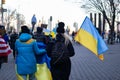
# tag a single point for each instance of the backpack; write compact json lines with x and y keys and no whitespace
{"x":59,"y":52}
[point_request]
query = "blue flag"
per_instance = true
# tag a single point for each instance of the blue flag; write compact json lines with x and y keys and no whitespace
{"x":89,"y":37}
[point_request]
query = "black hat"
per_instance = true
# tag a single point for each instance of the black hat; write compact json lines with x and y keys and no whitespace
{"x":25,"y":29}
{"x":39,"y":29}
{"x":2,"y":27}
{"x":60,"y":28}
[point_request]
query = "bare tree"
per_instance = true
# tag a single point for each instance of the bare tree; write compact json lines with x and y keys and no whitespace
{"x":14,"y":15}
{"x":20,"y":20}
{"x":108,"y":8}
{"x":9,"y":18}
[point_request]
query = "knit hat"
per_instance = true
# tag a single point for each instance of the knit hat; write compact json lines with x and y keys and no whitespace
{"x":2,"y":27}
{"x":60,"y":28}
{"x":39,"y":29}
{"x":25,"y":29}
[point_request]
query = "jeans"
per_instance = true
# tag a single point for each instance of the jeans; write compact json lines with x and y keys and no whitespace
{"x":30,"y":76}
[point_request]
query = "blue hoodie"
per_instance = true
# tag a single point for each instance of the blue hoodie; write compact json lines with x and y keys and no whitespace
{"x":26,"y":48}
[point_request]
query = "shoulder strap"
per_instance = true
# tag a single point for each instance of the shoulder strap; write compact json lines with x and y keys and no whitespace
{"x":29,"y":41}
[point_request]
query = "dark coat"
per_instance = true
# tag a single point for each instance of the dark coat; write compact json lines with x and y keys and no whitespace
{"x":13,"y":38}
{"x":40,"y":37}
{"x":41,"y":42}
{"x":61,"y":70}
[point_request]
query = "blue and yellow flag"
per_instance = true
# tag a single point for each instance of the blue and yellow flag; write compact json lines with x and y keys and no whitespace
{"x":53,"y":34}
{"x":43,"y":65}
{"x":89,"y":37}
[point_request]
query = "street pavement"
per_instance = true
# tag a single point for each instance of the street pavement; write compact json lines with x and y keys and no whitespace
{"x":85,"y":65}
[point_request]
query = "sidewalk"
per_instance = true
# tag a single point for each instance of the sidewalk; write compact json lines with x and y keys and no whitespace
{"x":85,"y":65}
{"x":7,"y":71}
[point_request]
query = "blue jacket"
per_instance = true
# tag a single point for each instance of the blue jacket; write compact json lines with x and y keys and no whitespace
{"x":26,"y":48}
{"x":43,"y":58}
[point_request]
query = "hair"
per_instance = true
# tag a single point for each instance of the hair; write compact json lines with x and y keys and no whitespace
{"x":39,"y":30}
{"x":2,"y":27}
{"x":25,"y":29}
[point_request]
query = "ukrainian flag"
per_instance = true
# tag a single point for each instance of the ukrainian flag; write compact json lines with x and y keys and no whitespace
{"x":43,"y":65}
{"x":89,"y":37}
{"x":53,"y":34}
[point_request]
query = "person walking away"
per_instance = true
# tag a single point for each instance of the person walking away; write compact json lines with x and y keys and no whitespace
{"x":109,"y":37}
{"x":43,"y":61}
{"x":39,"y":35}
{"x":73,"y":34}
{"x":13,"y":38}
{"x":26,"y":48}
{"x":6,"y":37}
{"x":4,"y":47}
{"x":118,"y":37}
{"x":41,"y":42}
{"x":61,"y":68}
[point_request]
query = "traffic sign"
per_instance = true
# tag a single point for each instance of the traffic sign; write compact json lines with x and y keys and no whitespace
{"x":3,"y":10}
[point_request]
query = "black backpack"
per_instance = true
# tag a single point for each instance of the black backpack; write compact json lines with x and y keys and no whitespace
{"x":59,"y":52}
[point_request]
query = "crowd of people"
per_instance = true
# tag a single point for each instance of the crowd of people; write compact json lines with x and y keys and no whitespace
{"x":113,"y":37}
{"x":30,"y":49}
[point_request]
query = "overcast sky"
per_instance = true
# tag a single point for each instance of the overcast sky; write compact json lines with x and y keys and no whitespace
{"x":59,"y":9}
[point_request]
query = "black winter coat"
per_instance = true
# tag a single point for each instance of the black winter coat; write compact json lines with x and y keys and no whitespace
{"x":61,"y":70}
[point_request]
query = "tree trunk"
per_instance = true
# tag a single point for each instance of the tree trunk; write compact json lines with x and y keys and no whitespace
{"x":111,"y":26}
{"x":99,"y":22}
{"x":103,"y":29}
{"x":91,"y":17}
{"x":95,"y":19}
